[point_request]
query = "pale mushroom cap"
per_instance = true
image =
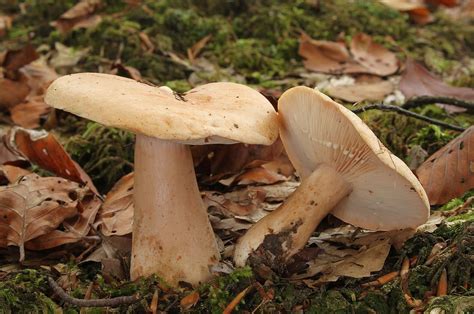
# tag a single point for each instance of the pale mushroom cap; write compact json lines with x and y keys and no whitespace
{"x":386,"y":194}
{"x":212,"y":113}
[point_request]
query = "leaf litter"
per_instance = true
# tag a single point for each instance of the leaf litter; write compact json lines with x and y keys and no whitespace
{"x":240,"y":184}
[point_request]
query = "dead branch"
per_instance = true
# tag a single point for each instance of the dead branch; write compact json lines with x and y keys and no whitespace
{"x":112,"y":302}
{"x":409,"y":113}
{"x":428,"y":100}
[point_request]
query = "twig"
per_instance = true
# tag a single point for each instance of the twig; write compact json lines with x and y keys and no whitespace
{"x":112,"y":302}
{"x":231,"y":306}
{"x":428,"y":100}
{"x":409,"y":114}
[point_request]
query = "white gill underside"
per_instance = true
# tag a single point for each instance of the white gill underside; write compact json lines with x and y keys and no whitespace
{"x":316,"y":133}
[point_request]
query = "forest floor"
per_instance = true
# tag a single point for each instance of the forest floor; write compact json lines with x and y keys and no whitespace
{"x":185,"y":43}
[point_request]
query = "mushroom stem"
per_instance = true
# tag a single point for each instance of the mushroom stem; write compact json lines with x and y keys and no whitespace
{"x":172,"y":235}
{"x":297,"y":218}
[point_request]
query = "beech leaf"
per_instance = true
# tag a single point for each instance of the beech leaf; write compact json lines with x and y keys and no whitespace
{"x":449,"y":172}
{"x":33,"y":207}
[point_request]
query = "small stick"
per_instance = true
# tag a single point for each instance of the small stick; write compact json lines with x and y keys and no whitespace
{"x":230,"y":307}
{"x":112,"y":302}
{"x":442,"y":284}
{"x":408,"y":113}
{"x":382,"y":280}
{"x":428,"y":100}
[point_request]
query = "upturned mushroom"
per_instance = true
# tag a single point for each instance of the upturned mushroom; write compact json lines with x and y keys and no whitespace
{"x":345,"y":171}
{"x":172,"y":235}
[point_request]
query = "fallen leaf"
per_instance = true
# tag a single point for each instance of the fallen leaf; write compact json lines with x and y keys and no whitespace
{"x":5,"y":24}
{"x":194,"y":51}
{"x":33,"y":207}
{"x":12,"y":173}
{"x":418,"y":81}
{"x":79,"y":16}
{"x":374,"y":57}
{"x":42,"y":148}
{"x":259,"y":175}
{"x":215,"y":162}
{"x":38,"y":76}
{"x":417,"y":9}
{"x":15,"y":59}
{"x":336,"y":261}
{"x":421,"y":16}
{"x":128,"y":71}
{"x":334,"y":58}
{"x":189,"y":301}
{"x":361,"y":91}
{"x":66,"y":57}
{"x":116,"y":214}
{"x":326,"y":56}
{"x":28,"y":113}
{"x":449,"y":172}
{"x":12,"y":93}
{"x":74,"y":229}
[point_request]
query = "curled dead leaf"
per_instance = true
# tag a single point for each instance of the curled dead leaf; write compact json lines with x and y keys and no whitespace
{"x":326,"y":56}
{"x":42,"y":148}
{"x":449,"y":172}
{"x":418,"y":81}
{"x":12,"y":92}
{"x":116,"y":214}
{"x":79,"y":16}
{"x":15,"y":59}
{"x":375,"y":58}
{"x":361,"y":91}
{"x":75,"y":228}
{"x":28,"y":113}
{"x":189,"y":301}
{"x":35,"y":206}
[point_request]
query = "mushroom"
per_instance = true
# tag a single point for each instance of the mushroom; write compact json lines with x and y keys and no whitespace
{"x":345,"y":171}
{"x":172,"y":235}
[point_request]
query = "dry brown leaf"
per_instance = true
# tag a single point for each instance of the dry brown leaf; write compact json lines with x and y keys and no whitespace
{"x":189,"y":301}
{"x":33,"y":207}
{"x":335,"y":262}
{"x":12,"y":93}
{"x":327,"y":56}
{"x":75,"y":228}
{"x":15,"y":59}
{"x":194,"y":51}
{"x":215,"y":162}
{"x":38,"y":76}
{"x":259,"y":175}
{"x":418,"y":81}
{"x":449,"y":172}
{"x":374,"y":57}
{"x":11,"y":173}
{"x":361,"y":91}
{"x":131,"y":72}
{"x":28,"y":113}
{"x":5,"y":24}
{"x":79,"y":16}
{"x":116,"y":214}
{"x":42,"y":148}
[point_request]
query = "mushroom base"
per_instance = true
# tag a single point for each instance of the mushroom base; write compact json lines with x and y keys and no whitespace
{"x":172,"y":236}
{"x":301,"y":213}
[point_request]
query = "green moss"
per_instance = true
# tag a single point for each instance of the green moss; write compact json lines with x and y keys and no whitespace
{"x":223,"y":289}
{"x":106,"y":154}
{"x":26,"y":292}
{"x":330,"y":302}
